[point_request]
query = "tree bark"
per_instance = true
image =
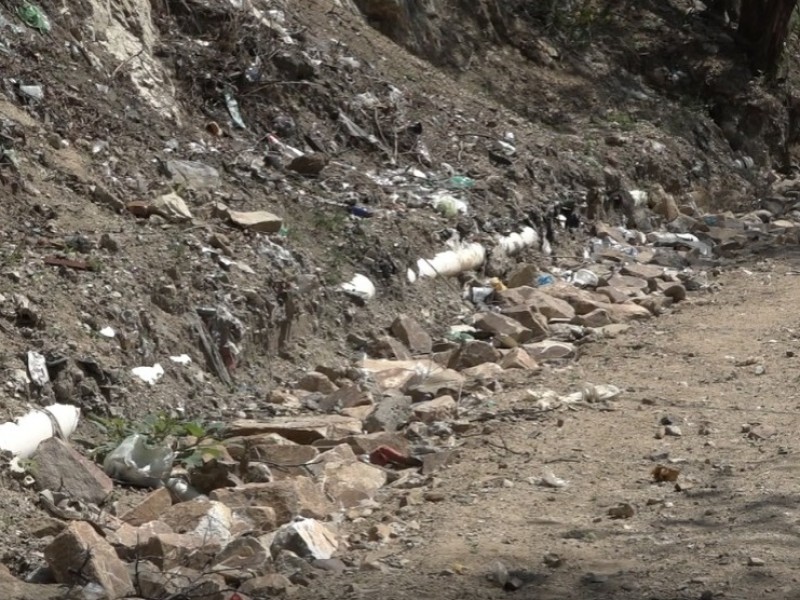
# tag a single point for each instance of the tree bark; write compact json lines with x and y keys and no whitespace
{"x":764,"y":25}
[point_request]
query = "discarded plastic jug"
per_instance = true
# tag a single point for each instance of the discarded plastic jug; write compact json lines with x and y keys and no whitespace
{"x":460,"y":182}
{"x":544,"y":279}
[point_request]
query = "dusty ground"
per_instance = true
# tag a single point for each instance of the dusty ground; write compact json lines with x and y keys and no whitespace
{"x":737,"y":503}
{"x":613,"y":91}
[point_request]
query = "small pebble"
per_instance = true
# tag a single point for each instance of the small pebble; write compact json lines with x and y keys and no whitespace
{"x":673,"y":430}
{"x":754,"y":561}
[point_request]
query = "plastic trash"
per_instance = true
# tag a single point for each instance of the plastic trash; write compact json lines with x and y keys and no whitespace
{"x":448,"y":205}
{"x":233,"y":110}
{"x":549,"y":479}
{"x":461,"y":258}
{"x":23,"y":436}
{"x":136,"y":462}
{"x":584,"y":278}
{"x":34,"y":17}
{"x":150,"y":375}
{"x":359,"y":286}
{"x":181,"y":490}
{"x":515,"y":242}
{"x":460,"y":182}
{"x":107,"y":332}
{"x":544,"y":279}
{"x":181,"y":359}
{"x":37,"y":369}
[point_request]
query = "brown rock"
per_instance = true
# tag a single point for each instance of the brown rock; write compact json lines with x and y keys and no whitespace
{"x":411,"y":333}
{"x":170,"y":550}
{"x":544,"y":303}
{"x":243,"y":553}
{"x":79,"y":554}
{"x":271,"y":585}
{"x":534,"y":322}
{"x":254,"y":518}
{"x":388,"y":347}
{"x":550,"y":350}
{"x":627,"y":281}
{"x":615,"y":295}
{"x":646,"y":272}
{"x":654,"y":304}
{"x":213,"y":474}
{"x":126,"y":539}
{"x":442,"y":408}
{"x":308,"y":164}
{"x":357,"y":412}
{"x":12,"y":588}
{"x":518,"y":358}
{"x":284,"y":459}
{"x":474,"y":353}
{"x":672,"y":290}
{"x":258,"y":220}
{"x":150,"y":508}
{"x":139,"y":209}
{"x":664,"y":204}
{"x":175,"y":583}
{"x":347,"y":396}
{"x":57,"y":466}
{"x":427,"y":386}
{"x":303,"y":430}
{"x":484,"y":372}
{"x":366,"y":443}
{"x":208,"y":519}
{"x":350,"y":482}
{"x":289,"y":498}
{"x":308,"y":538}
{"x":503,"y":327}
{"x":523,"y":275}
{"x":316,"y":382}
{"x":599,"y":317}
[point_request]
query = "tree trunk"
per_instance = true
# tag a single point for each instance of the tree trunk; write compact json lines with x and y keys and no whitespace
{"x":764,"y":25}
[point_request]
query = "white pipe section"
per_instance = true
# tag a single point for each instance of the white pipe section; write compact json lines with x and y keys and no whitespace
{"x":451,"y":262}
{"x":515,"y":242}
{"x":23,"y":436}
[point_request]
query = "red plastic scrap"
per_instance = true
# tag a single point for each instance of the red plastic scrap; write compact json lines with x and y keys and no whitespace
{"x":387,"y":456}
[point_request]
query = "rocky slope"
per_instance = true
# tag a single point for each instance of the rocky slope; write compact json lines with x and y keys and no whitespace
{"x":275,"y":218}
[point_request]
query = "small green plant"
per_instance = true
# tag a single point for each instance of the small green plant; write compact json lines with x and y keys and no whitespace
{"x":160,"y":429}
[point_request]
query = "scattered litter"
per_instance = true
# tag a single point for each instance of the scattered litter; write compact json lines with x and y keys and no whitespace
{"x":547,"y":399}
{"x":23,"y":436}
{"x":233,"y":110}
{"x":149,"y":375}
{"x":37,"y":369}
{"x":448,"y":205}
{"x":107,"y":332}
{"x":359,"y":286}
{"x":136,"y":462}
{"x":549,"y":479}
{"x":34,"y":17}
{"x":181,"y":359}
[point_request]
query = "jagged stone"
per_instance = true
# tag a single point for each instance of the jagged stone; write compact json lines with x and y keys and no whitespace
{"x":308,"y":538}
{"x":503,"y":327}
{"x":389,"y":414}
{"x":316,"y":382}
{"x":150,"y":508}
{"x":411,"y":333}
{"x":57,"y":466}
{"x":518,"y":358}
{"x":79,"y":554}
{"x":289,"y":498}
{"x":474,"y":353}
{"x":303,"y":430}
{"x":534,"y":322}
{"x":442,"y":408}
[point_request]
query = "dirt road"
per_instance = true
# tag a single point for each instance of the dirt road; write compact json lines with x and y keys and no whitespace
{"x":722,"y":370}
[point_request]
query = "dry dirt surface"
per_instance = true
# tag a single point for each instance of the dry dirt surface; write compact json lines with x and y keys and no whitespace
{"x":722,"y":370}
{"x":141,"y":144}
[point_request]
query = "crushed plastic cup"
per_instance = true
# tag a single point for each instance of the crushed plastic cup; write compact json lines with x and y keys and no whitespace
{"x":136,"y":462}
